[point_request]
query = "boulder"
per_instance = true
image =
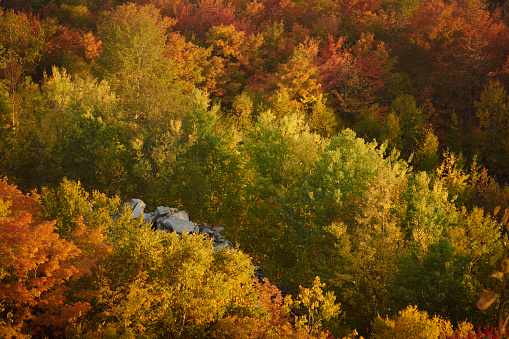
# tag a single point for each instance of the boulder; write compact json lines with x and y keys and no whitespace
{"x":182,"y":215}
{"x":178,"y":225}
{"x":137,"y":206}
{"x":165,"y":210}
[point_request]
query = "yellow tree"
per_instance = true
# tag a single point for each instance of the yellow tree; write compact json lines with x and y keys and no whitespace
{"x":411,"y":323}
{"x":239,"y":55}
{"x":300,"y":75}
{"x":313,"y":307}
{"x":168,"y":284}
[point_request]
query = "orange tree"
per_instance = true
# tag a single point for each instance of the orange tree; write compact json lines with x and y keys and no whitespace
{"x":34,"y":267}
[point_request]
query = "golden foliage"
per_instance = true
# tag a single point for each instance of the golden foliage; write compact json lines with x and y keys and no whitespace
{"x":411,"y":323}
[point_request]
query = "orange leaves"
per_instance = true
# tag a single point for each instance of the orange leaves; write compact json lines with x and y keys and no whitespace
{"x":70,"y":313}
{"x":199,"y":17}
{"x":92,"y":46}
{"x":34,"y":264}
{"x":18,"y":203}
{"x":194,"y":62}
{"x":90,"y":241}
{"x":435,"y":22}
{"x":274,"y":320}
{"x":354,"y":76}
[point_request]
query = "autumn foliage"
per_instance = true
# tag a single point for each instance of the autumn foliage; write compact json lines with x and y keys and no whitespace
{"x":35,"y":266}
{"x":356,"y":150}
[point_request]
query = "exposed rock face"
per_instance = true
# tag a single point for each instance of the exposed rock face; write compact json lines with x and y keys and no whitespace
{"x":170,"y":219}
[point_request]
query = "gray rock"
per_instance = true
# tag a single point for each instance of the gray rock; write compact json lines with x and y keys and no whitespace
{"x":170,"y":219}
{"x":165,"y":210}
{"x":148,"y":217}
{"x":182,"y":215}
{"x":178,"y":225}
{"x":218,"y":247}
{"x":160,"y":226}
{"x":160,"y":219}
{"x":258,"y":273}
{"x":137,"y":206}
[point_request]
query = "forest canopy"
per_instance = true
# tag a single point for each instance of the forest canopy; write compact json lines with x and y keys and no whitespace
{"x":356,"y":150}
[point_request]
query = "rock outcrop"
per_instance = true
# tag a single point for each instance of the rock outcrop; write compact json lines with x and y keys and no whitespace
{"x":170,"y":219}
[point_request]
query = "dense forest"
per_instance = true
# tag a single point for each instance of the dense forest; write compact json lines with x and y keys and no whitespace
{"x":356,"y":150}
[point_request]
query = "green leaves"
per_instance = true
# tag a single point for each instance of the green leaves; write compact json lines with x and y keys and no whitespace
{"x":342,"y":174}
{"x":437,"y":281}
{"x":70,"y":201}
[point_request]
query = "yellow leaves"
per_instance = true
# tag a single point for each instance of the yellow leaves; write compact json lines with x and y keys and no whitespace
{"x":300,"y":77}
{"x":4,"y":208}
{"x":227,"y":41}
{"x":316,"y":307}
{"x":178,"y":281}
{"x":411,"y":323}
{"x":476,"y":233}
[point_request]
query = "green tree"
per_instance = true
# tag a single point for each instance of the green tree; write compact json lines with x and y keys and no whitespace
{"x":436,"y":281}
{"x":34,"y":151}
{"x":411,"y":120}
{"x":342,"y":174}
{"x":321,"y":118}
{"x":210,"y":171}
{"x":70,"y":127}
{"x":357,"y":249}
{"x":134,"y":42}
{"x":493,"y":114}
{"x":281,"y":153}
{"x":70,"y":201}
{"x":428,"y":214}
{"x":426,"y":156}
